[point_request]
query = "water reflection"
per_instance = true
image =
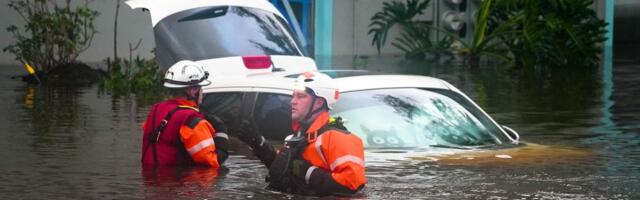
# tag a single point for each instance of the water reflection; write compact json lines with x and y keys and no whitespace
{"x":172,"y":183}
{"x":607,"y":87}
{"x":29,"y":95}
{"x":405,"y":107}
{"x":52,"y":110}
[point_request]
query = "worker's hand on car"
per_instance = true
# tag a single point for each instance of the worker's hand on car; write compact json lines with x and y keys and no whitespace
{"x":220,"y":137}
{"x":248,"y":133}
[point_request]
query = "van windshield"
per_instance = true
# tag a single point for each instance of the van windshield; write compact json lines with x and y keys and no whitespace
{"x":413,"y":117}
{"x":221,"y":31}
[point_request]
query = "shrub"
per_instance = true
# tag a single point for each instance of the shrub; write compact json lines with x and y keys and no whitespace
{"x":53,"y":35}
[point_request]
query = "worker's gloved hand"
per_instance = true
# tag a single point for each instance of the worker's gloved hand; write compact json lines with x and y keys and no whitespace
{"x":221,"y":141}
{"x":279,"y":171}
{"x":248,"y":133}
{"x":217,"y":123}
{"x":299,"y":169}
{"x":220,"y":138}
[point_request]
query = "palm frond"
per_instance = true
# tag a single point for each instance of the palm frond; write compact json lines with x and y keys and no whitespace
{"x":393,"y":13}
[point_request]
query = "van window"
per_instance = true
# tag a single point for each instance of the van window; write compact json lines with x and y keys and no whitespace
{"x":225,"y":105}
{"x":221,"y":31}
{"x":272,"y":115}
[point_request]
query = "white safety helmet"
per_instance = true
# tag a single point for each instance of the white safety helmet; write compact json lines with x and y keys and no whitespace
{"x":320,"y":84}
{"x":184,"y":74}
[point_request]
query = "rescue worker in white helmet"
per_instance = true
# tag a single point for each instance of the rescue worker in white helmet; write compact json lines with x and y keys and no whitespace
{"x":175,"y":131}
{"x":321,"y":157}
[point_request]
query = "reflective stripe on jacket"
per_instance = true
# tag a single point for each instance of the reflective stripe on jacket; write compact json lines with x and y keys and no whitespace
{"x":334,"y":153}
{"x":199,"y":143}
{"x":186,"y":139}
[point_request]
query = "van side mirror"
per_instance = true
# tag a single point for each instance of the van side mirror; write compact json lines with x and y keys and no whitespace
{"x":512,"y":134}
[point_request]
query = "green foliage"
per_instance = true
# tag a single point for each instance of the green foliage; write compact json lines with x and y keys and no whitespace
{"x":488,"y":42}
{"x":53,"y":35}
{"x":415,"y":41}
{"x":394,"y":13}
{"x":414,"y":37}
{"x":553,"y":33}
{"x":529,"y":33}
{"x":137,"y":76}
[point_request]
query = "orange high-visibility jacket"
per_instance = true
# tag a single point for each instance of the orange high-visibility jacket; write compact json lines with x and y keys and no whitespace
{"x":186,"y":127}
{"x":337,"y":159}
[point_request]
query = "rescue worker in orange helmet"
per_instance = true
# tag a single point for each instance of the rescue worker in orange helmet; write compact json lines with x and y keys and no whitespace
{"x":321,"y":157}
{"x":175,"y":132}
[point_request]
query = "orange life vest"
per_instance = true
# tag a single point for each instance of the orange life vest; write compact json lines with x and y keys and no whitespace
{"x":186,"y":139}
{"x":335,"y":151}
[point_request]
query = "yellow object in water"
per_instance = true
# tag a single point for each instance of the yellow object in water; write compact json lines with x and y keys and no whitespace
{"x":29,"y":68}
{"x":31,"y":71}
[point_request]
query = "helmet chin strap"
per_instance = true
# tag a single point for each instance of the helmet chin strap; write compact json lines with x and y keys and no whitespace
{"x":310,"y":112}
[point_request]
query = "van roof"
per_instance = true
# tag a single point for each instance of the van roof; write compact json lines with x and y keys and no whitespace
{"x":284,"y":84}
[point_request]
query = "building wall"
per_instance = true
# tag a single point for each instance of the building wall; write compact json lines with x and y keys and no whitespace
{"x":350,"y":32}
{"x":351,"y":21}
{"x":132,"y":26}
